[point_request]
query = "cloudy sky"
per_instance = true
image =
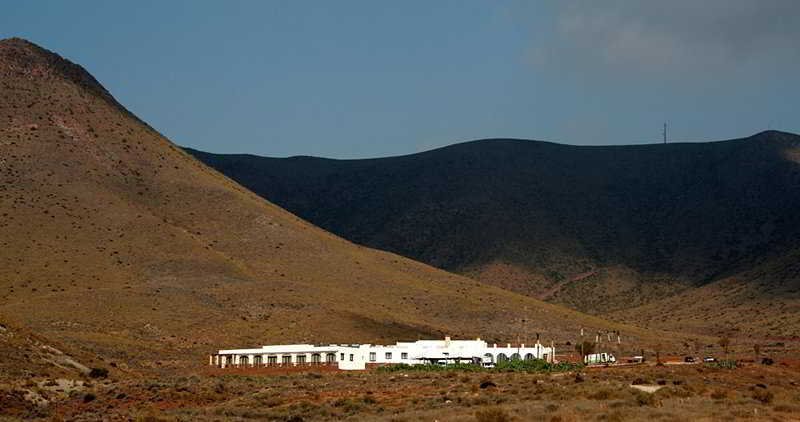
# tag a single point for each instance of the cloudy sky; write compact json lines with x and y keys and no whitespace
{"x":352,"y":79}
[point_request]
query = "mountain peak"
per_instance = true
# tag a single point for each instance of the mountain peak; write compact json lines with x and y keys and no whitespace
{"x":22,"y":58}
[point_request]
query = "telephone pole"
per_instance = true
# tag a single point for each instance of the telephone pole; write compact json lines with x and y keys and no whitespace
{"x":665,"y":133}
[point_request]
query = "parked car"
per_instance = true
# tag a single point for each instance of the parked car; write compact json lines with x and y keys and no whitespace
{"x":709,"y":359}
{"x":689,"y":359}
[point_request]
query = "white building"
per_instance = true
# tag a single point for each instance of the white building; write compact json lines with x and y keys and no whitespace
{"x":359,"y":356}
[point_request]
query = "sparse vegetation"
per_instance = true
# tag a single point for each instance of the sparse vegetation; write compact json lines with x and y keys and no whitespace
{"x":694,"y":280}
{"x":536,"y":365}
{"x":137,"y":258}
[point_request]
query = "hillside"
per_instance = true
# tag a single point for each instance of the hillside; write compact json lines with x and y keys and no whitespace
{"x":599,"y":228}
{"x":761,"y":301}
{"x":116,"y":243}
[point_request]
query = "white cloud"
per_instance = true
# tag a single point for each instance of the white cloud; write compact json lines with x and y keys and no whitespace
{"x":683,"y":38}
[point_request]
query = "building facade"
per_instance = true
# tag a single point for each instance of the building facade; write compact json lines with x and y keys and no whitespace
{"x":360,"y":356}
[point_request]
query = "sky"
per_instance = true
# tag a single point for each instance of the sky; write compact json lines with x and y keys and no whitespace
{"x":355,"y":79}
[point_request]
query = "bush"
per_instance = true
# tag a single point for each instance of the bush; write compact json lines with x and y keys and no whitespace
{"x":764,"y":396}
{"x":98,"y":373}
{"x":492,"y":414}
{"x":603,"y":394}
{"x":719,"y":395}
{"x":646,"y":399}
{"x":536,"y":365}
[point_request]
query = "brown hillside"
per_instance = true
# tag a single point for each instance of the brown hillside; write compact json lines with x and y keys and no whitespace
{"x":761,"y":301}
{"x":600,"y":229}
{"x":114,"y":240}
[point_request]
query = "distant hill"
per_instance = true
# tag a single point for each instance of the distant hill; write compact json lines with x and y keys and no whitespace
{"x":598,"y":228}
{"x":116,"y":243}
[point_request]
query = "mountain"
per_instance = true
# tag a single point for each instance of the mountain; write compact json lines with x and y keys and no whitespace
{"x":116,"y":243}
{"x":602,"y":229}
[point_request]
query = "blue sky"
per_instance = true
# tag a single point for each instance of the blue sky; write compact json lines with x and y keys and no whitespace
{"x":351,"y":79}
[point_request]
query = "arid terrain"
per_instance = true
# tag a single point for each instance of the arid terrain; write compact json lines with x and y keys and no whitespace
{"x":670,"y":393}
{"x":116,"y":241}
{"x":125,"y":261}
{"x":644,"y":233}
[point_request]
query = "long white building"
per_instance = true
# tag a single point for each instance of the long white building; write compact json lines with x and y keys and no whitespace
{"x":359,"y":356}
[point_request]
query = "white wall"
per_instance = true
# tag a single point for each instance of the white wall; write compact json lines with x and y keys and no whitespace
{"x":356,"y":357}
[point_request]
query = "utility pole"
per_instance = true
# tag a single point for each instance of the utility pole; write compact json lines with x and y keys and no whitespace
{"x":665,"y":133}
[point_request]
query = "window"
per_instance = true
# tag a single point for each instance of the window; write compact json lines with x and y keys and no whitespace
{"x":272,"y":360}
{"x":286,"y":359}
{"x":404,"y":355}
{"x":351,"y":357}
{"x":341,"y":356}
{"x":388,"y":355}
{"x":301,"y":358}
{"x":372,"y":356}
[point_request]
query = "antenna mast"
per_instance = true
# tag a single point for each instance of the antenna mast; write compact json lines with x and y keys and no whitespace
{"x":665,"y":133}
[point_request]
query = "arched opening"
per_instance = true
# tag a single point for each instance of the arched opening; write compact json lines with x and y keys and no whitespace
{"x":502,"y":357}
{"x":244,"y":361}
{"x":272,"y":360}
{"x":228,"y":360}
{"x":316,"y":358}
{"x":330,"y":358}
{"x":258,"y":360}
{"x":516,"y":356}
{"x":529,"y":356}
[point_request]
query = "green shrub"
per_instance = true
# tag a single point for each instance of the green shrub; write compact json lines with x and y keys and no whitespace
{"x":536,"y":365}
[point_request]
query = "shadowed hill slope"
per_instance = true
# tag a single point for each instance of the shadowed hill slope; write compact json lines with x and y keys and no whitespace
{"x":115,"y":241}
{"x":597,"y":228}
{"x":763,"y":300}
